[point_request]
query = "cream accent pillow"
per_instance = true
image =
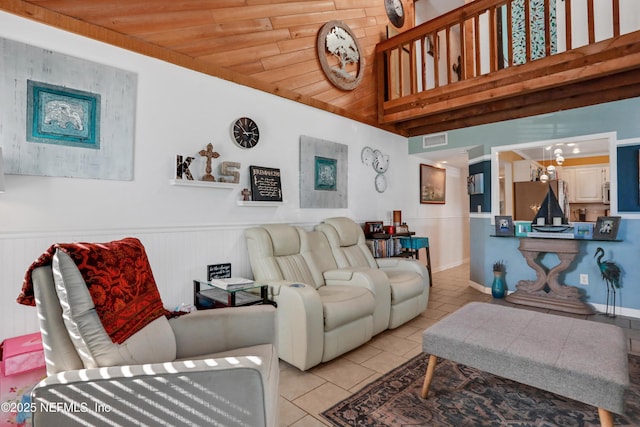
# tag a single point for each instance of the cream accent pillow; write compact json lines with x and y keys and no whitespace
{"x":153,"y":343}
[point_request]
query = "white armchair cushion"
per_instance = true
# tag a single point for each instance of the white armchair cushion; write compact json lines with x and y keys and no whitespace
{"x":154,"y":343}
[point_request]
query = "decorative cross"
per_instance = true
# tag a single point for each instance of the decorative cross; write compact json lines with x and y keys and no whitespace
{"x":209,"y":154}
{"x":246,"y":194}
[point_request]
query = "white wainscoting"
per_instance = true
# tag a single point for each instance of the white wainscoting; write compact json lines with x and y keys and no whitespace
{"x":177,"y":256}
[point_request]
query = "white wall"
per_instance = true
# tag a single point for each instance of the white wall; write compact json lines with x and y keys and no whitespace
{"x":179,"y":111}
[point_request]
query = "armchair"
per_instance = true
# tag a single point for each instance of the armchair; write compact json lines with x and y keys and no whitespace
{"x":319,"y":317}
{"x":409,"y":280}
{"x":204,"y":368}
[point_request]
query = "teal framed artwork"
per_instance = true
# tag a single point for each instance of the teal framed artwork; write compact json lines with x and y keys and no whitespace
{"x":325,"y":174}
{"x":60,"y":115}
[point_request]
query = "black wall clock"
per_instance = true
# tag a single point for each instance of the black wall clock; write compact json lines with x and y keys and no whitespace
{"x":245,"y":132}
{"x":395,"y":12}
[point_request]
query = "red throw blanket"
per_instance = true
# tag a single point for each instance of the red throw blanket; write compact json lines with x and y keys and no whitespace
{"x":120,"y":282}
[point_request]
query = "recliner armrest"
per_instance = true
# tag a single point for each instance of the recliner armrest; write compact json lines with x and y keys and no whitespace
{"x":221,"y":329}
{"x":300,"y":324}
{"x":370,"y":278}
{"x":194,"y":392}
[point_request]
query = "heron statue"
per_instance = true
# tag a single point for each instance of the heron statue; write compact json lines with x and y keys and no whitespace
{"x":611,"y":275}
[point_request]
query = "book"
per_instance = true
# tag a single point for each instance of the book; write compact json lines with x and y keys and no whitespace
{"x":231,"y":283}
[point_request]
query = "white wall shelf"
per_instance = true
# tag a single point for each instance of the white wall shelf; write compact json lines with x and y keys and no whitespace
{"x":257,"y":203}
{"x":207,"y":184}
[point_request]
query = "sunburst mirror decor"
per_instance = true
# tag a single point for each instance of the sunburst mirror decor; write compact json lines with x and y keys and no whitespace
{"x":339,"y":55}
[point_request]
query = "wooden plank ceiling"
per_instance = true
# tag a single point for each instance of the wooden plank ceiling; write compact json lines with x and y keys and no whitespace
{"x":265,"y":44}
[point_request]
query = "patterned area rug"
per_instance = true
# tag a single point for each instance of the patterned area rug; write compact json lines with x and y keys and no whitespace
{"x":460,"y":396}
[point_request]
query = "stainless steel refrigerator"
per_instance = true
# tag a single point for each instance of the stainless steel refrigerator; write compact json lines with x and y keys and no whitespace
{"x":529,"y":196}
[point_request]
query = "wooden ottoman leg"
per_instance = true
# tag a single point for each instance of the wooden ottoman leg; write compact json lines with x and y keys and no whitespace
{"x":431,"y":367}
{"x":606,"y":418}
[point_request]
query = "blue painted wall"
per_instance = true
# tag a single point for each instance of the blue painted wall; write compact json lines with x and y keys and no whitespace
{"x":628,"y":200}
{"x":484,"y":200}
{"x":622,"y":117}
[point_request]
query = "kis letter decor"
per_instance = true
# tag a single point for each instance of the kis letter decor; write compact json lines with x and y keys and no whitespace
{"x":186,"y":165}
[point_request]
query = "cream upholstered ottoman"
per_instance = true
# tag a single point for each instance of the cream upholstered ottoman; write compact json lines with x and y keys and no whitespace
{"x":575,"y":358}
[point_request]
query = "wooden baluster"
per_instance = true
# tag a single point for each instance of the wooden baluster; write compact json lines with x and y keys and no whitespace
{"x":424,"y":54}
{"x":400,"y":71}
{"x":616,"y":17}
{"x":412,"y":69}
{"x":436,"y":49}
{"x":448,"y":44}
{"x":591,"y":21}
{"x":567,"y":13}
{"x":547,"y":28}
{"x":463,"y":53}
{"x":469,"y":42}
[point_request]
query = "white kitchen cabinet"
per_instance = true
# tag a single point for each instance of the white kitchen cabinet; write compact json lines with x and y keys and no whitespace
{"x":585,"y":182}
{"x":523,"y":170}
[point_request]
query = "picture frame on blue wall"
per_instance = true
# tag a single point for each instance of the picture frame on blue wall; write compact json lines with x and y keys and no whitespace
{"x":583,"y":230}
{"x":504,"y":225}
{"x":475,"y":183}
{"x":606,"y":228}
{"x":522,"y":228}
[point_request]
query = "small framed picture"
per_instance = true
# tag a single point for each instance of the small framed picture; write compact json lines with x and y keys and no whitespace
{"x":522,"y":228}
{"x":504,"y":225}
{"x":373,"y":227}
{"x":583,"y":230}
{"x":606,"y":228}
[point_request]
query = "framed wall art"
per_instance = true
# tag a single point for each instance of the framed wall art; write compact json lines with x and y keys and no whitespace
{"x":68,"y":117}
{"x":432,"y":184}
{"x":61,"y":115}
{"x":323,"y":173}
{"x":606,"y":228}
{"x":504,"y":225}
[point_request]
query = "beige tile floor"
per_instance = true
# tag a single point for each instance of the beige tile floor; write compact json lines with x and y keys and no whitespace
{"x":304,"y":395}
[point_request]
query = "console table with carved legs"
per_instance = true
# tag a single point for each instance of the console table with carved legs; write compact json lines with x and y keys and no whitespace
{"x":546,"y":291}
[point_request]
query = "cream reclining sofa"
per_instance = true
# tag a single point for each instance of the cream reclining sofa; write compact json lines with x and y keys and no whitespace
{"x":408,"y":279}
{"x":323,"y":312}
{"x":326,"y":309}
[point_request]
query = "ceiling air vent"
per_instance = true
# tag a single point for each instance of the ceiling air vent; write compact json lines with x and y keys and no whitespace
{"x":434,"y":140}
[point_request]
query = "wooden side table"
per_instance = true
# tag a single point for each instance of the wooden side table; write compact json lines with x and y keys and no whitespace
{"x":558,"y":296}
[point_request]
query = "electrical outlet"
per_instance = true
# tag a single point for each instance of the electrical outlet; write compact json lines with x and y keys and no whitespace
{"x":584,"y":279}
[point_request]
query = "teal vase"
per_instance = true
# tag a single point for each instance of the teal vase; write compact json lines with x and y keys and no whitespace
{"x":498,"y":288}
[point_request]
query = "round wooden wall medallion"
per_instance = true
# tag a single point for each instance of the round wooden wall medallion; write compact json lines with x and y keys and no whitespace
{"x":339,"y":55}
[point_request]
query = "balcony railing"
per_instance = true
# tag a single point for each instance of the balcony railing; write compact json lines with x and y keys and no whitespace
{"x":423,"y":70}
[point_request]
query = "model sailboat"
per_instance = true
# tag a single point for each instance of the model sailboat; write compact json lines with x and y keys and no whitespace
{"x":550,"y":209}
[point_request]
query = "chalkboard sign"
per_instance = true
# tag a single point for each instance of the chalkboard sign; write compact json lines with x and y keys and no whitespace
{"x":265,"y":184}
{"x":219,"y":271}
